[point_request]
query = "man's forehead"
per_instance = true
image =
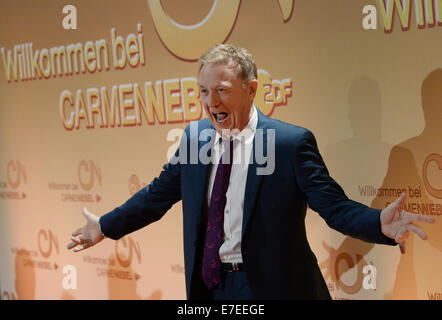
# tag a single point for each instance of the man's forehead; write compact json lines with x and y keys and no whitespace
{"x":217,"y":71}
{"x":223,"y":61}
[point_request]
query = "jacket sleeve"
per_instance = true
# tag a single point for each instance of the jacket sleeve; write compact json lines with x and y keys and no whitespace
{"x":325,"y":196}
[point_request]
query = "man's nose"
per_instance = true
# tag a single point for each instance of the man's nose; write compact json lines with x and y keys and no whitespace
{"x":212,"y":100}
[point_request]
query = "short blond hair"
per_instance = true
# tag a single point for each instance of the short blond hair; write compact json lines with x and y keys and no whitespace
{"x":225,"y":53}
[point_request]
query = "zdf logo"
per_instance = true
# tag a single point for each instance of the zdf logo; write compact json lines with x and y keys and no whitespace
{"x":124,"y":250}
{"x":16,"y":173}
{"x":87,"y":172}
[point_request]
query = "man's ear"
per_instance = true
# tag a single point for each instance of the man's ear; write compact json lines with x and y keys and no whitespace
{"x":251,"y":88}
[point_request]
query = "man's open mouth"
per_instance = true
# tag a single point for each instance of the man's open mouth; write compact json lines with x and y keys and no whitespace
{"x":220,"y":117}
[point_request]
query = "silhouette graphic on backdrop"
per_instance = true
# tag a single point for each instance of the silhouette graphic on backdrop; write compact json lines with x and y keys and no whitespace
{"x":360,"y":158}
{"x":416,"y":165}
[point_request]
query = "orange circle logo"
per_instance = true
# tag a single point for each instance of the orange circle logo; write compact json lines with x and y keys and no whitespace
{"x":87,"y":171}
{"x":437,"y":193}
{"x":125,"y":257}
{"x":45,"y":242}
{"x":15,"y":172}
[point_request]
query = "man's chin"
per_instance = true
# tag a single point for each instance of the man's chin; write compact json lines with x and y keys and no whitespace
{"x":220,"y":126}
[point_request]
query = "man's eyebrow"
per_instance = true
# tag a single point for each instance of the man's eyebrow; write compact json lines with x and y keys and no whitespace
{"x":226,"y":84}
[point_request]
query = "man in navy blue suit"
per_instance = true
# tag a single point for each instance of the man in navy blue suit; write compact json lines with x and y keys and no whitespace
{"x":243,"y":220}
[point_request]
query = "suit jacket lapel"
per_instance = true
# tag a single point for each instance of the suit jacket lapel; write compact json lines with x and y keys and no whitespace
{"x":253,"y":179}
{"x":201,"y":178}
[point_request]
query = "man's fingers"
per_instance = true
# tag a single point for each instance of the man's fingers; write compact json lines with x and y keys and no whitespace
{"x":414,"y":228}
{"x":72,"y":245}
{"x":77,"y":240}
{"x":420,"y":217}
{"x":77,"y":232}
{"x":80,"y":230}
{"x":80,"y":243}
{"x":80,"y":247}
{"x":85,"y":243}
{"x":401,"y":200}
{"x":86,"y":213}
{"x":402,"y":235}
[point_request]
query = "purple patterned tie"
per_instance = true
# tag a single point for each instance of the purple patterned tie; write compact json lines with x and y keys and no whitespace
{"x":211,"y":268}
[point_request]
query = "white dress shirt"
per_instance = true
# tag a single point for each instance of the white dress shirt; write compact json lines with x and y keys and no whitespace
{"x":230,"y":250}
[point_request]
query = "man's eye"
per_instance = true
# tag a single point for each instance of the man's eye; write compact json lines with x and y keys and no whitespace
{"x":203,"y":91}
{"x":221,"y":90}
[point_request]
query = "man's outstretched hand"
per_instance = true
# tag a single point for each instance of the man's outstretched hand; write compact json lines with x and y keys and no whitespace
{"x":88,"y":235}
{"x":397,"y":223}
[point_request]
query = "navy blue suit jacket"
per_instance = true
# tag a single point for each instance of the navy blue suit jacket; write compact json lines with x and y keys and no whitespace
{"x":278,"y":260}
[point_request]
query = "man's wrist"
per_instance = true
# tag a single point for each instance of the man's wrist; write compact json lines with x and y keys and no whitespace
{"x":99,"y":228}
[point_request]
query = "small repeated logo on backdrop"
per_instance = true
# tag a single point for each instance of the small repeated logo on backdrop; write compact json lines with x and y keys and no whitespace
{"x":135,"y":184}
{"x":13,"y":188}
{"x":27,"y":261}
{"x":48,"y":249}
{"x":89,"y":178}
{"x":46,"y":254}
{"x":124,"y":251}
{"x":47,"y":243}
{"x":120,"y":264}
{"x":433,"y":190}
